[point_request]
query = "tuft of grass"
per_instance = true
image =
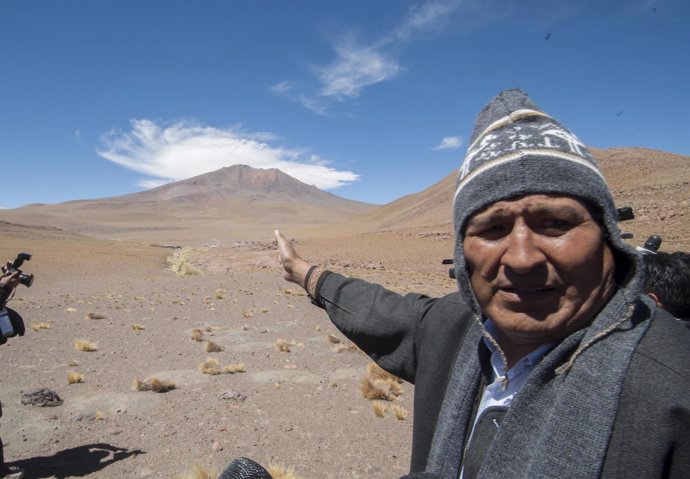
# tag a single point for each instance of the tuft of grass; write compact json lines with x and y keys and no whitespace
{"x":286,"y":347}
{"x":212,"y":347}
{"x":247,"y":313}
{"x":278,"y":471}
{"x":138,"y":327}
{"x":210,"y":366}
{"x":74,"y":377}
{"x":264,"y":310}
{"x":294,"y":292}
{"x":153,"y":384}
{"x":200,"y":472}
{"x":95,"y":316}
{"x":197,"y":335}
{"x":380,"y":409}
{"x":100,"y":415}
{"x":377,"y":372}
{"x":73,"y":363}
{"x":376,"y":387}
{"x":399,"y":412}
{"x":219,"y":293}
{"x":84,"y":345}
{"x":234,"y":368}
{"x":181,"y":262}
{"x":71,"y":310}
{"x":347,"y":348}
{"x":39,"y":326}
{"x":333,"y":339}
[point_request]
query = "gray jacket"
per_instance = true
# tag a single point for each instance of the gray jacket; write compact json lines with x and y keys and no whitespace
{"x":576,"y":423}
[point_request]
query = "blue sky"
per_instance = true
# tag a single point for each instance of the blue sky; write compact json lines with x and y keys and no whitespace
{"x":369,"y":100}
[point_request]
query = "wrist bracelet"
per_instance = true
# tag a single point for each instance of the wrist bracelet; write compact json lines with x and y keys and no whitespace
{"x":307,"y":276}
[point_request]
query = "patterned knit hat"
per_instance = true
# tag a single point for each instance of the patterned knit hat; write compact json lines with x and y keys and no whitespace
{"x":517,"y":149}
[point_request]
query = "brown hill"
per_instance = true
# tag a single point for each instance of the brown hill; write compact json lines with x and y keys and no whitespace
{"x":654,"y":183}
{"x":236,"y":202}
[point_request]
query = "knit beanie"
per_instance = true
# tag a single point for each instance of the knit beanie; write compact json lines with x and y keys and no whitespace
{"x":516,"y":149}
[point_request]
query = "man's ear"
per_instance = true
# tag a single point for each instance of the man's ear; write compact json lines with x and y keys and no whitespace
{"x":656,"y":300}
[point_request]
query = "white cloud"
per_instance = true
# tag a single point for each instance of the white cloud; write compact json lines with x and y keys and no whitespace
{"x":355,"y":68}
{"x":283,"y":87}
{"x":358,"y":65}
{"x":449,"y":143}
{"x":184,"y":149}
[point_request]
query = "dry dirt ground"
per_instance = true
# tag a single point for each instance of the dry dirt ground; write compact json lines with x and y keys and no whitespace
{"x":302,"y":408}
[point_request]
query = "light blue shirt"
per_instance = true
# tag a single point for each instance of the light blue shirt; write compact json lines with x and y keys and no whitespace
{"x":501,"y":392}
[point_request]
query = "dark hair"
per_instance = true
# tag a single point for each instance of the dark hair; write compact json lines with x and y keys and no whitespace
{"x":667,"y":276}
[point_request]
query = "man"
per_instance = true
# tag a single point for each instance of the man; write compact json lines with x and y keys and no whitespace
{"x":667,"y":282}
{"x":548,"y":362}
{"x":8,"y":281}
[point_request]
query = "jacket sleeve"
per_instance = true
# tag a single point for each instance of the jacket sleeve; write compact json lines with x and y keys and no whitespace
{"x":384,"y":324}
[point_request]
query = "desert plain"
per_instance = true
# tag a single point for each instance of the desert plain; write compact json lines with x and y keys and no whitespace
{"x":113,"y":279}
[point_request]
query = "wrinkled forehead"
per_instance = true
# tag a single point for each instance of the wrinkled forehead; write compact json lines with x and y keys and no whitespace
{"x":534,"y":204}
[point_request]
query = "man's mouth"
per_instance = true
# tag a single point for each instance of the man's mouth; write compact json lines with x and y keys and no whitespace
{"x":527,"y":294}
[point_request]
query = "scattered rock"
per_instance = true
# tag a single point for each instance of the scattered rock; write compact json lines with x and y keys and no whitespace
{"x":84,"y":416}
{"x":233,"y":396}
{"x":41,"y":397}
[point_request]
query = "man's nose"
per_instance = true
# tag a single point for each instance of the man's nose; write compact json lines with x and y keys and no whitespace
{"x":522,"y":253}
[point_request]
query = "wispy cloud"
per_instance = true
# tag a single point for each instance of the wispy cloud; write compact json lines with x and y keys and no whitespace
{"x":359,"y":64}
{"x":179,"y":150}
{"x":449,"y":143}
{"x":356,"y":67}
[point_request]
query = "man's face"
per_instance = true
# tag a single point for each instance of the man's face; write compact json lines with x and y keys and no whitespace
{"x":539,"y":267}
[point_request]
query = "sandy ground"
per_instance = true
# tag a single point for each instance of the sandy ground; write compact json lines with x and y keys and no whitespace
{"x":302,"y":409}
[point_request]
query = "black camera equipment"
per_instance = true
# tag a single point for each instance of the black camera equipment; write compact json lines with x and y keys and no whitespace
{"x":651,"y":246}
{"x":25,"y":279}
{"x":451,"y":271}
{"x":11,"y":322}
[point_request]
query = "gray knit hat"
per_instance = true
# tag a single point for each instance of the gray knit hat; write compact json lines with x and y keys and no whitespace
{"x":517,"y":149}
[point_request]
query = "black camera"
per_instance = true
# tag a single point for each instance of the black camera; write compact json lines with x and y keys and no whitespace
{"x":25,"y":279}
{"x":11,"y":323}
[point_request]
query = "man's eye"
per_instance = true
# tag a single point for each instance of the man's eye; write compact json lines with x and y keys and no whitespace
{"x":557,"y":225}
{"x":493,"y":231}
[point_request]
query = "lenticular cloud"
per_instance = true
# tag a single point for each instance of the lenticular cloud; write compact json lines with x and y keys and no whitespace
{"x":183,"y":149}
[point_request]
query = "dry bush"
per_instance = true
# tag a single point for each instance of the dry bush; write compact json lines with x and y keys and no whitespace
{"x":39,"y":326}
{"x":380,"y":384}
{"x":200,"y":472}
{"x":278,"y":471}
{"x":95,"y":316}
{"x":197,"y":335}
{"x":247,"y":313}
{"x":84,"y":345}
{"x":399,"y":412}
{"x":138,"y":327}
{"x":377,"y":372}
{"x":264,"y":310}
{"x":100,"y":415}
{"x":73,"y":363}
{"x":210,"y":366}
{"x":348,"y":348}
{"x":181,"y":262}
{"x":380,"y":409}
{"x":294,"y":292}
{"x":234,"y":368}
{"x":219,"y":294}
{"x":153,"y":384}
{"x":74,"y":377}
{"x":212,"y":347}
{"x":286,"y":347}
{"x":332,"y":338}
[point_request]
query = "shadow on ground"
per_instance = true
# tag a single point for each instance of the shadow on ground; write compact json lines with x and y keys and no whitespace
{"x":75,"y":462}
